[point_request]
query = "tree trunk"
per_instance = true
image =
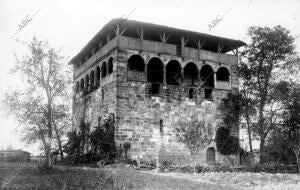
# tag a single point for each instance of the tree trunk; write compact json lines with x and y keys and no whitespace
{"x":59,"y":143}
{"x":261,"y":149}
{"x":194,"y":167}
{"x":261,"y":129}
{"x":250,"y":139}
{"x":47,"y":148}
{"x":48,"y":156}
{"x":297,"y":154}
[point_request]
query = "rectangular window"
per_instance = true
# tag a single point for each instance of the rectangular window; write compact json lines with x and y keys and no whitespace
{"x":154,"y":89}
{"x":208,"y":94}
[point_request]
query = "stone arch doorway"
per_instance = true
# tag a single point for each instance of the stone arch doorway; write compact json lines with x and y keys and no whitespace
{"x":210,"y":156}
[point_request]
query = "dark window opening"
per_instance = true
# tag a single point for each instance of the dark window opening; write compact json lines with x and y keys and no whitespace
{"x":97,"y":76}
{"x":155,"y":70}
{"x":223,"y":74}
{"x":208,"y":94}
{"x":87,"y":81}
{"x":110,"y":65}
{"x":102,"y":94}
{"x":161,"y":127}
{"x":178,"y":50}
{"x":173,"y":73}
{"x":207,"y":76}
{"x":81,"y":85}
{"x":191,"y":93}
{"x":154,"y":89}
{"x":92,"y":79}
{"x":136,"y":63}
{"x":77,"y":87}
{"x":103,"y":70}
{"x":191,"y":74}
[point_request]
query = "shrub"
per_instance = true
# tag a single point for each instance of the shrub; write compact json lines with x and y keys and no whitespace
{"x":103,"y":141}
{"x":166,"y":164}
{"x":225,"y":143}
{"x":72,"y":148}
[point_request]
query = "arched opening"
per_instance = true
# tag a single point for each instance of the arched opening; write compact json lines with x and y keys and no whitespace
{"x":191,"y":74}
{"x":155,"y":70}
{"x":207,"y":76}
{"x":223,"y":74}
{"x":92,"y":79}
{"x":136,"y":68}
{"x":87,"y":82}
{"x":136,"y":63}
{"x":210,"y":156}
{"x":173,"y":73}
{"x":103,"y":70}
{"x":97,"y":76}
{"x":81,"y":85}
{"x":77,"y":87}
{"x":110,"y":65}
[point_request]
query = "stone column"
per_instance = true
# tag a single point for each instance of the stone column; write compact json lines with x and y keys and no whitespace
{"x":215,"y":79}
{"x":182,"y":75}
{"x":164,"y":74}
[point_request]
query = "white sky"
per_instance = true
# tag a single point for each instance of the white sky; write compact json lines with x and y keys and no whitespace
{"x":70,"y":24}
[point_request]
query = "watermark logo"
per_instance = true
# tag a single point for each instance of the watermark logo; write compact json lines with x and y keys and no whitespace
{"x":121,"y":22}
{"x":24,"y":23}
{"x":216,"y":21}
{"x":6,"y":181}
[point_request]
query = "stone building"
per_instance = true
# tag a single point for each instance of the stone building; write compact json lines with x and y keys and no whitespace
{"x":153,"y":77}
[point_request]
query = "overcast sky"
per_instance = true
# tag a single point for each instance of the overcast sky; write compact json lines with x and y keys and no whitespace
{"x":70,"y":24}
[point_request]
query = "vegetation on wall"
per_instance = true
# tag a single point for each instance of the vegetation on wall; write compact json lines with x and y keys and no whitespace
{"x":87,"y":147}
{"x":225,"y":143}
{"x":103,"y":140}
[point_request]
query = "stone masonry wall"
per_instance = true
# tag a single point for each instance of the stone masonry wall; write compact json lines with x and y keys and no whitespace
{"x":91,"y":108}
{"x":148,"y":122}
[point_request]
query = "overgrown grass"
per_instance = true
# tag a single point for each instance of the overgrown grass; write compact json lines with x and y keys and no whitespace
{"x":30,"y":176}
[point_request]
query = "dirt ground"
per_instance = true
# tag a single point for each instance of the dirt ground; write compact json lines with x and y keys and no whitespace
{"x":239,"y":180}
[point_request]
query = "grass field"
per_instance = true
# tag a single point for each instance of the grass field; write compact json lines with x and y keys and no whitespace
{"x":30,"y":176}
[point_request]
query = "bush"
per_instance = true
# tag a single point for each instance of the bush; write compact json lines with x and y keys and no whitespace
{"x":166,"y":164}
{"x":186,"y":169}
{"x":101,"y":141}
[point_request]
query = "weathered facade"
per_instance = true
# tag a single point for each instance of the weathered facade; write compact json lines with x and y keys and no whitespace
{"x":152,"y":77}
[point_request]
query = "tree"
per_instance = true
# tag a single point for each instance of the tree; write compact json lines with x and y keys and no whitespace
{"x":37,"y":107}
{"x":291,"y":122}
{"x":232,"y":106}
{"x":197,"y":133}
{"x":61,"y":122}
{"x":269,"y":52}
{"x":283,"y":142}
{"x":246,"y":102}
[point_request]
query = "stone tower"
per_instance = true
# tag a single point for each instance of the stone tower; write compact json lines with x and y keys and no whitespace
{"x":151,"y":77}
